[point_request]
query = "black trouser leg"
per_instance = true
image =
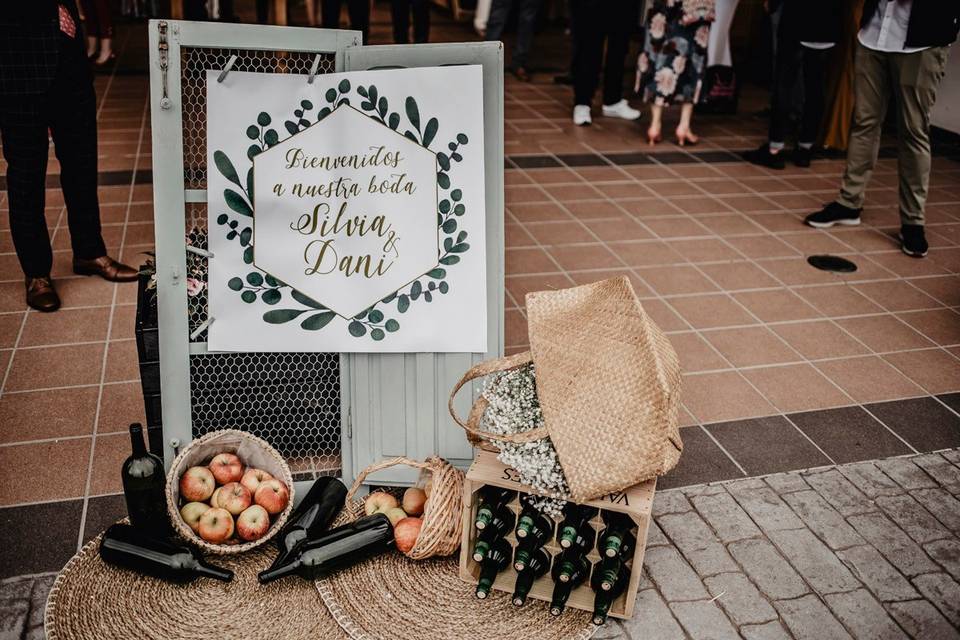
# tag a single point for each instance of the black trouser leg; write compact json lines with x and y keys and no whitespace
{"x":526,"y":21}
{"x":814,"y":76}
{"x":330,"y":14}
{"x":588,"y":17}
{"x":497,"y":20}
{"x":421,"y":21}
{"x":25,"y":146}
{"x":621,"y":17}
{"x":400,"y":12}
{"x":788,"y":69}
{"x":263,"y":13}
{"x":72,"y":114}
{"x":359,"y":11}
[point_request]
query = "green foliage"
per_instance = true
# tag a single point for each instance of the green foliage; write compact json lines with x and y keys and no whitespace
{"x":237,"y":202}
{"x":248,"y":296}
{"x":235,"y":283}
{"x":263,"y":119}
{"x":357,"y":329}
{"x":271,"y":296}
{"x":318,"y":320}
{"x":280,"y":316}
{"x":413,"y":112}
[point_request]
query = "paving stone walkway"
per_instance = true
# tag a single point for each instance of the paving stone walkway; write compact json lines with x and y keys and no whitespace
{"x":869,"y":551}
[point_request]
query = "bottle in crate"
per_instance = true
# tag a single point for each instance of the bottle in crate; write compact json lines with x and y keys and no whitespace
{"x":494,"y":561}
{"x":570,"y":570}
{"x":608,"y":588}
{"x":536,"y":565}
{"x":533,"y":524}
{"x":575,"y":529}
{"x":617,"y":537}
{"x":492,"y":500}
{"x":495,"y":530}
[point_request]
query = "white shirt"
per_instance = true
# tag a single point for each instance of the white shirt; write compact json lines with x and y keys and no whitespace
{"x":887,"y":29}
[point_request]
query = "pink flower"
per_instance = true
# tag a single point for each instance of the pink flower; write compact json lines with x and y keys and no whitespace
{"x":194,"y":287}
{"x":702,"y":36}
{"x":658,"y":26}
{"x":679,"y":64}
{"x":666,"y":81}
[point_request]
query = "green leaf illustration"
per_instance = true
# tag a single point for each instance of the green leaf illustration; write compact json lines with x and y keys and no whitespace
{"x":248,"y":296}
{"x":245,"y":236}
{"x":428,"y":296}
{"x":248,"y":255}
{"x":389,"y":298}
{"x":449,"y":226}
{"x":231,"y":235}
{"x":318,"y":320}
{"x":304,"y":300}
{"x":437,"y":273}
{"x":271,"y":296}
{"x":375,"y":316}
{"x":279,"y":316}
{"x":394,"y":121}
{"x":271,"y":281}
{"x":298,"y":113}
{"x":403,"y":303}
{"x":444,"y":287}
{"x":252,"y":151}
{"x":462,"y":138}
{"x":263,"y":119}
{"x":362,"y":90}
{"x":391,"y":325}
{"x":377,"y":334}
{"x":306,"y":104}
{"x":250,"y":183}
{"x":430,"y":132}
{"x":450,"y":260}
{"x":292,"y":127}
{"x":235,"y":283}
{"x":443,"y":161}
{"x":344,"y":86}
{"x":330,"y":95}
{"x":323,"y":113}
{"x":366,"y":106}
{"x":443,"y":180}
{"x":271,"y":137}
{"x":253,"y":132}
{"x":460,"y":248}
{"x":461,"y":236}
{"x":226,"y":167}
{"x":456,"y":195}
{"x":357,"y":329}
{"x":416,"y":289}
{"x":255,"y":278}
{"x":410,"y":135}
{"x":237,"y":202}
{"x":413,"y":112}
{"x":459,"y":210}
{"x":444,"y":206}
{"x":222,"y":218}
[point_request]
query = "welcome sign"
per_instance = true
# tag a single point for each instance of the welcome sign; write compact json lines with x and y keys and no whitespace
{"x":347,"y":214}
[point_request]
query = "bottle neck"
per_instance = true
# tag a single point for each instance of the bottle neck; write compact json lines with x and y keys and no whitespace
{"x":480,"y":550}
{"x":560,"y":595}
{"x":209,"y":571}
{"x":136,"y":441}
{"x":276,"y":573}
{"x":484,"y":516}
{"x":484,"y":586}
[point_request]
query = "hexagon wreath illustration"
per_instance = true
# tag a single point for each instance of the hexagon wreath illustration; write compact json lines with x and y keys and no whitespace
{"x":367,"y":249}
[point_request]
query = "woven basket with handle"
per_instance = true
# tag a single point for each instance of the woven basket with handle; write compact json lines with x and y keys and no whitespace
{"x":440,"y":533}
{"x":254,"y":452}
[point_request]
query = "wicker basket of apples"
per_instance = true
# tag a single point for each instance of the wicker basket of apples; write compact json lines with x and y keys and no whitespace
{"x":426,"y":519}
{"x":228,"y":492}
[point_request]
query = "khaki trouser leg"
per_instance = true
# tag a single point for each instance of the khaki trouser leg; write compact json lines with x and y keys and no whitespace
{"x":871,"y":89}
{"x":916,"y":77}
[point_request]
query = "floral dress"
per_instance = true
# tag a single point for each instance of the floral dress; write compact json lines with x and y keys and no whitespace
{"x":670,"y":67}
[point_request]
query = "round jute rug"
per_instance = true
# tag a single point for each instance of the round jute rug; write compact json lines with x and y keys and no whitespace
{"x":91,"y":599}
{"x":391,"y":597}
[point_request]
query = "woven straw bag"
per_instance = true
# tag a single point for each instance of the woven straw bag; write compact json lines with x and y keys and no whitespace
{"x":254,"y":452}
{"x":608,"y":382}
{"x":440,"y":532}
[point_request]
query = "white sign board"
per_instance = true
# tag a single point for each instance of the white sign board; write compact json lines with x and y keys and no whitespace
{"x":347,"y":214}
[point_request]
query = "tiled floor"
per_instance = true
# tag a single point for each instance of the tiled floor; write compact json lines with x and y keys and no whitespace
{"x":785,"y":366}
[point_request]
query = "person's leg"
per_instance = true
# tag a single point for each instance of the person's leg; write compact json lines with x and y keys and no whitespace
{"x":90,"y":26}
{"x":718,"y":51}
{"x":786,"y":72}
{"x":620,"y":18}
{"x":526,"y":22}
{"x":916,"y":79}
{"x":330,"y":14}
{"x":871,"y":88}
{"x":359,"y":11}
{"x":589,"y":49}
{"x":104,"y":30}
{"x":400,"y":13}
{"x":814,"y":77}
{"x":263,"y":12}
{"x":421,"y":21}
{"x":656,"y":123}
{"x":497,"y":20}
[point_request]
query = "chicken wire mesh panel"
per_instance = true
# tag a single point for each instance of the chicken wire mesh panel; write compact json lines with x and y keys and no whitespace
{"x":194,"y":64}
{"x":291,"y":400}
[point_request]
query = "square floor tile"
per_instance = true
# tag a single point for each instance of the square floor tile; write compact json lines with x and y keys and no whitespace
{"x":738,"y":275}
{"x":936,"y":370}
{"x":121,"y":404}
{"x":869,"y":379}
{"x":620,"y":229}
{"x":122,"y":362}
{"x":715,"y":397}
{"x":702,"y":461}
{"x":57,"y":470}
{"x":677,"y":227}
{"x":564,"y":232}
{"x":665,"y":317}
{"x":704,"y":250}
{"x":103,"y":511}
{"x":538,"y":212}
{"x":584,"y":257}
{"x":695,"y":353}
{"x":819,"y":339}
{"x":514,"y":327}
{"x":884,"y":333}
{"x":40,"y":415}
{"x":765,"y":246}
{"x":776,"y":305}
{"x":946,"y":289}
{"x":520,"y":261}
{"x":67,"y":326}
{"x":38,"y":538}
{"x":923,"y":422}
{"x":941,"y":325}
{"x":796,"y":387}
{"x":751,"y":346}
{"x":10,"y":324}
{"x":838,"y":300}
{"x":711,"y":311}
{"x":849,"y":434}
{"x":675,"y":280}
{"x":45,"y":367}
{"x":767,"y":445}
{"x":645,"y":253}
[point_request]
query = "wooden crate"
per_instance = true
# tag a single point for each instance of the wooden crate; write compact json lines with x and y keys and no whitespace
{"x":636,"y":502}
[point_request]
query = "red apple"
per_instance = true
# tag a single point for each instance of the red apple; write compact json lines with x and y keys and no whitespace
{"x":272,"y":495}
{"x":405,"y":533}
{"x":216,"y":525}
{"x":253,"y":477}
{"x":191,"y":513}
{"x":226,"y":468}
{"x":215,"y":498}
{"x":395,"y":515}
{"x":413,"y":501}
{"x":253,"y":523}
{"x":197,"y":484}
{"x":379,"y":502}
{"x":234,"y":497}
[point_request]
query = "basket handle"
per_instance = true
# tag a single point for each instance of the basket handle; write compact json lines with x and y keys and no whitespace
{"x":472,"y":425}
{"x":379,"y":466}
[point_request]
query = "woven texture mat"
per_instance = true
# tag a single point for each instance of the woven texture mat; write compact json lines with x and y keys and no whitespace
{"x":91,"y":599}
{"x":394,"y":598}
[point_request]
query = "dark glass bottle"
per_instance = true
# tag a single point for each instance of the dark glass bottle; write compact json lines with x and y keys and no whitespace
{"x":144,"y":487}
{"x":496,"y":560}
{"x":497,"y":528}
{"x":537,"y":565}
{"x":616,"y":538}
{"x":336,"y":549}
{"x":492,"y":500}
{"x":570,"y":570}
{"x":312,"y":516}
{"x":606,"y":572}
{"x":124,"y":546}
{"x":576,"y":522}
{"x":534,"y":524}
{"x":606,"y":595}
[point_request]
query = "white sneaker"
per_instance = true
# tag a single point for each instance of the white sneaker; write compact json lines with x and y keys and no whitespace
{"x":621,"y":110}
{"x":581,"y":115}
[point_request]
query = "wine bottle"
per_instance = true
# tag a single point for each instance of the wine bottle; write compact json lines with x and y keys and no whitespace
{"x":312,"y":516}
{"x":534,"y":524}
{"x":125,"y":546}
{"x":495,"y":561}
{"x":576,"y":522}
{"x":616,"y":538}
{"x":336,"y":549}
{"x":606,"y":595}
{"x":497,"y":527}
{"x":569,"y":571}
{"x":144,"y":487}
{"x":537,"y":565}
{"x":492,"y":499}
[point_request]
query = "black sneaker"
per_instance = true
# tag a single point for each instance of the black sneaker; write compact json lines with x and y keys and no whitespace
{"x":912,"y":240}
{"x":833,"y":213}
{"x":802,"y":157}
{"x":762,"y":156}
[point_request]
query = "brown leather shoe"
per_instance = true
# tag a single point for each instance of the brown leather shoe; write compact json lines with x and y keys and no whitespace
{"x":41,"y":295}
{"x":105,"y":267}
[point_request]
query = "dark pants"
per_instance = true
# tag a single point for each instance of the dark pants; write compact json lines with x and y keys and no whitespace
{"x":97,"y":22}
{"x":263,"y":12}
{"x":526,"y":21}
{"x":68,"y":109}
{"x":597,"y":21}
{"x":359,"y":11}
{"x":401,"y":20}
{"x":794,"y":60}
